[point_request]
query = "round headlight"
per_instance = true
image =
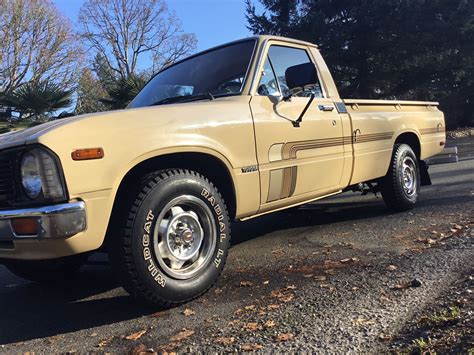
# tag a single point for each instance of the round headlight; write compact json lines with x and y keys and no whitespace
{"x":30,"y":176}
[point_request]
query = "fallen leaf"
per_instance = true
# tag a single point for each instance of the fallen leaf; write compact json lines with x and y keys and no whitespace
{"x":329,"y":287}
{"x":159,"y":314}
{"x":391,"y":267}
{"x":142,"y":349}
{"x":251,"y":347}
{"x":285,"y":337}
{"x":278,"y":252}
{"x":246,"y":283}
{"x":362,"y":322}
{"x":290,"y":287}
{"x":250,"y":308}
{"x":273,"y":306}
{"x":105,"y":342}
{"x":188,"y":312}
{"x":384,"y":299}
{"x":94,"y":335}
{"x":269,"y":323}
{"x":401,"y":286}
{"x":136,"y":336}
{"x":225,"y":340}
{"x":167,"y":349}
{"x":251,"y":326}
{"x":185,"y":333}
{"x":234,"y":322}
{"x":286,"y":299}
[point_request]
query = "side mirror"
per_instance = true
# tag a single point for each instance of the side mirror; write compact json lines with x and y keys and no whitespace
{"x":299,"y":76}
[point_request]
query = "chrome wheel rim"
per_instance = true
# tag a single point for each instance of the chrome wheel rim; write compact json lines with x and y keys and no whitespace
{"x":409,"y":176}
{"x":184,"y":237}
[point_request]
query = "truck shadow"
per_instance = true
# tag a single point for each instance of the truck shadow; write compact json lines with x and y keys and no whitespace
{"x":317,"y":214}
{"x":31,"y":311}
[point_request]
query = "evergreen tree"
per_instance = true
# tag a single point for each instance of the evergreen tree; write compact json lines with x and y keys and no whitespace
{"x":407,"y":49}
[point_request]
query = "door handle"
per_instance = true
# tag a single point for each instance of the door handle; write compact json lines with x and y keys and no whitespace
{"x":327,"y":108}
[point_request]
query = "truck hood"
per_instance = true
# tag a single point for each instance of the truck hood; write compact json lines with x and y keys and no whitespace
{"x":17,"y":138}
{"x":28,"y":135}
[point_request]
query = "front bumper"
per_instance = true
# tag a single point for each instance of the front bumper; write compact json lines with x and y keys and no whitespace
{"x":56,"y":221}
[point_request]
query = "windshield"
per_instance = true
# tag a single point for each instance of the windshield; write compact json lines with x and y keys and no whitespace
{"x":219,"y":72}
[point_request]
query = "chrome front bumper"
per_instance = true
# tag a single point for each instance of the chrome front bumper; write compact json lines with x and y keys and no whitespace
{"x":56,"y":221}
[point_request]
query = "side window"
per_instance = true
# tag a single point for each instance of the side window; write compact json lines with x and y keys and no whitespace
{"x":284,"y":57}
{"x":268,"y":85}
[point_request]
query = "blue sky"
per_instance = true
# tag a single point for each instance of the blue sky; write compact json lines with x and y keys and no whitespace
{"x":213,"y":21}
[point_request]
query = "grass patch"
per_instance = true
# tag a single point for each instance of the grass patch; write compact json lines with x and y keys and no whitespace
{"x":451,"y":315}
{"x":422,"y":345}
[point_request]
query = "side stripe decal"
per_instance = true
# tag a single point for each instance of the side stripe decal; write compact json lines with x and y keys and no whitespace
{"x":283,"y":181}
{"x":438,"y":129}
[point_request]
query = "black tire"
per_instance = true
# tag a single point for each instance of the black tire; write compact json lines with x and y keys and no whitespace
{"x":144,"y":268}
{"x":401,"y":185}
{"x":47,"y":271}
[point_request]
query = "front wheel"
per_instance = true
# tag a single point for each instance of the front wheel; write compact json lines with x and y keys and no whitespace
{"x":401,"y":185}
{"x":175,"y":239}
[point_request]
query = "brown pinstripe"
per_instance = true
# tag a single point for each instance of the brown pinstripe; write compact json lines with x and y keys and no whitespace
{"x":438,"y":129}
{"x":290,"y":150}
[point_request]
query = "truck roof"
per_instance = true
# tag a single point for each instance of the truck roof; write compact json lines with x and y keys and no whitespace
{"x":284,"y":39}
{"x":259,"y":38}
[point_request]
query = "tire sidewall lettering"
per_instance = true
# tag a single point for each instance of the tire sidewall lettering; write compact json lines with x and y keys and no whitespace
{"x":153,"y":270}
{"x":222,"y":237}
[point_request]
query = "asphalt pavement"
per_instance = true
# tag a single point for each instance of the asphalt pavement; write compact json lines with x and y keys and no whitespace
{"x":341,"y":275}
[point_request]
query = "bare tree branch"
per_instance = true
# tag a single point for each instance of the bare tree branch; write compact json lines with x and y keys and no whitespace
{"x":37,"y":44}
{"x":126,"y":33}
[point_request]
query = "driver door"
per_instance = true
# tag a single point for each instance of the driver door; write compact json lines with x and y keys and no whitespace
{"x":296,"y":163}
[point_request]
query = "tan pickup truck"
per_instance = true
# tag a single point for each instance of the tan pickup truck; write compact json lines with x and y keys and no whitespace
{"x":240,"y":130}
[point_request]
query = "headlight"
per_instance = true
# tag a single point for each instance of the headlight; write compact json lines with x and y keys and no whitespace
{"x":40,"y":176}
{"x":30,"y":175}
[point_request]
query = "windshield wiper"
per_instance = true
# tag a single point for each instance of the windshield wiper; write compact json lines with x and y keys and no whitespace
{"x":184,"y":98}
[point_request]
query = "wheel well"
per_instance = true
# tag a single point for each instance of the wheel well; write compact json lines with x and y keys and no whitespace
{"x":207,"y":165}
{"x":412,"y":140}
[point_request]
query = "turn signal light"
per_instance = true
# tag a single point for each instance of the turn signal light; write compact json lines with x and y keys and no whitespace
{"x":87,"y":154}
{"x":25,"y":226}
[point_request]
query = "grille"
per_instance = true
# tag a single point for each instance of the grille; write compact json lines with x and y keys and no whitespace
{"x":7,"y":180}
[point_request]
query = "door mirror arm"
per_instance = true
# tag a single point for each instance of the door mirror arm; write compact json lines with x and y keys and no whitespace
{"x":300,"y":118}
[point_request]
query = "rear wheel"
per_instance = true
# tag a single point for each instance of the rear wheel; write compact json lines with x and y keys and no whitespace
{"x":175,"y":239}
{"x":401,"y":185}
{"x":47,"y":271}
